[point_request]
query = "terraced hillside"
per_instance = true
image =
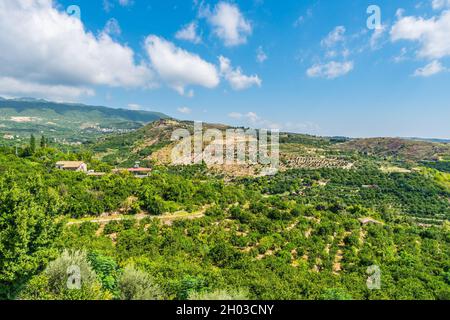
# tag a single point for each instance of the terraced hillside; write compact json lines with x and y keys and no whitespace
{"x":152,"y":145}
{"x":398,"y":148}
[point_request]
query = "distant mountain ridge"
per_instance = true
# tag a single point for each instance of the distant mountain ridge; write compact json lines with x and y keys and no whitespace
{"x":22,"y":104}
{"x":410,"y":149}
{"x":23,"y":116}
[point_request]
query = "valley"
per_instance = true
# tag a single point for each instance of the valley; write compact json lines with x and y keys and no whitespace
{"x":335,"y":208}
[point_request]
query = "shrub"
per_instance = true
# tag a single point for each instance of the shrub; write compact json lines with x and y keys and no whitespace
{"x":219,"y":295}
{"x":59,"y":280}
{"x":138,"y":285}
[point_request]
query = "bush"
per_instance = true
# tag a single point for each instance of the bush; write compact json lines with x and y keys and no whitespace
{"x":138,"y":285}
{"x":61,"y":280}
{"x":58,"y":270}
{"x":335,"y":294}
{"x":106,"y":269}
{"x":113,"y":227}
{"x":219,"y":295}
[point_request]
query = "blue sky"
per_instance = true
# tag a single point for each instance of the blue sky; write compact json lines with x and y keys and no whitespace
{"x":304,"y":66}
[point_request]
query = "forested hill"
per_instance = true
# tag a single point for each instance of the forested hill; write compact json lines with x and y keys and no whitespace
{"x":26,"y":115}
{"x":406,"y":149}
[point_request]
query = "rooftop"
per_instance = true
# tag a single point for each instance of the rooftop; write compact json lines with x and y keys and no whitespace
{"x":69,"y":164}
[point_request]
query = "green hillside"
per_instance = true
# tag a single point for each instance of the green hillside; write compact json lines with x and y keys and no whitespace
{"x":65,"y":121}
{"x":336,"y":209}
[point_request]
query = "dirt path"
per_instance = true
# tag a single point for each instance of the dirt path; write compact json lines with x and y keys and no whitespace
{"x":166,"y":218}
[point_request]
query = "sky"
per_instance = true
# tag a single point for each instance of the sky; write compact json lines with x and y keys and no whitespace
{"x":334,"y":68}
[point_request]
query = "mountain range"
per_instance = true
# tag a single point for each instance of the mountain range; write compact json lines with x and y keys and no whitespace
{"x":68,"y":121}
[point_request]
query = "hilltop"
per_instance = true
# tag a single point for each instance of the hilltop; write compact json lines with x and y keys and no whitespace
{"x":68,"y":121}
{"x":152,"y":144}
{"x":413,"y":150}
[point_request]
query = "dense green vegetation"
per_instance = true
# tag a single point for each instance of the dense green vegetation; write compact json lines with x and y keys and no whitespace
{"x":443,"y":166}
{"x":400,"y":193}
{"x":67,"y":122}
{"x":301,"y":234}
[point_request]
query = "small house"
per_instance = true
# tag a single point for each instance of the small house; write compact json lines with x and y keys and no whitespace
{"x":368,"y":220}
{"x":72,"y":166}
{"x":8,"y":137}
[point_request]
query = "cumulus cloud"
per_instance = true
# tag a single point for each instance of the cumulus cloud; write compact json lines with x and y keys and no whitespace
{"x":228,"y":22}
{"x":433,"y":34}
{"x":189,"y":33}
{"x":430,"y":69}
{"x":18,"y":87}
{"x":330,"y":70}
{"x":46,"y":52}
{"x":184,"y":110}
{"x":178,"y":67}
{"x":235,"y":77}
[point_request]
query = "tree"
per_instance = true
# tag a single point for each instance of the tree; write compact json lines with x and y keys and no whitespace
{"x":43,"y":143}
{"x":27,"y":236}
{"x":219,"y":295}
{"x":69,"y":277}
{"x":138,"y":285}
{"x":32,"y":144}
{"x":335,"y":294}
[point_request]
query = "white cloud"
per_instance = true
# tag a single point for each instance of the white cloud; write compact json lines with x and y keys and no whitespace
{"x":440,"y":4}
{"x":235,"y":115}
{"x":47,"y":51}
{"x":376,"y":36}
{"x":180,"y":68}
{"x":125,"y":3}
{"x":335,"y":43}
{"x":252,"y":117}
{"x":112,"y":27}
{"x":402,"y":56}
{"x":301,"y":19}
{"x":261,"y":56}
{"x":432,"y":34}
{"x":228,"y":23}
{"x":18,"y":87}
{"x":430,"y":69}
{"x":184,"y":110}
{"x":256,"y":121}
{"x":330,"y":70}
{"x":109,"y":4}
{"x":334,"y":37}
{"x":189,"y":33}
{"x":134,"y":106}
{"x":237,"y":80}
